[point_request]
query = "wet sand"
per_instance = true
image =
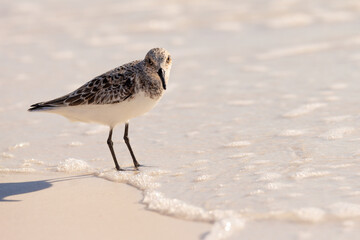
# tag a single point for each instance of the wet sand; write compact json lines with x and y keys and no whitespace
{"x":59,"y":206}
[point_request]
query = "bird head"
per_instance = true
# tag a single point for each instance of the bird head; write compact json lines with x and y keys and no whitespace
{"x":158,"y":63}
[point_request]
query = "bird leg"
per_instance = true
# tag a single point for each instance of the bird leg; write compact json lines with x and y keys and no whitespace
{"x":110,"y":144}
{"x":127,"y":141}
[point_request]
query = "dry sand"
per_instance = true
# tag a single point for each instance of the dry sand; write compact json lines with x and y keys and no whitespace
{"x":60,"y":206}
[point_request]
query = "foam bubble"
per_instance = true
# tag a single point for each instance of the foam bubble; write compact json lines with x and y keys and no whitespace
{"x":34,"y":161}
{"x":156,"y":201}
{"x":308,"y":173}
{"x":140,"y":180}
{"x":337,"y":133}
{"x":269,"y":176}
{"x":202,"y":178}
{"x":238,"y":144}
{"x":256,"y":192}
{"x":291,"y":133}
{"x":200,"y":161}
{"x":73,"y":165}
{"x":274,"y":185}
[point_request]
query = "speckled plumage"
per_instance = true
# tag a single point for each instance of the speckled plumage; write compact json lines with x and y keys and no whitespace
{"x":116,"y":85}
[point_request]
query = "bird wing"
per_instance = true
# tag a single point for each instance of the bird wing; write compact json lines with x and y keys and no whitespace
{"x":111,"y":87}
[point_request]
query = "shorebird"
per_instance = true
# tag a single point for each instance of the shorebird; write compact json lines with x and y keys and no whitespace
{"x":116,"y":96}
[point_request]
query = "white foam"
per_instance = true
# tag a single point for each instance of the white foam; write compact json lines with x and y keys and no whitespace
{"x":156,"y":201}
{"x":343,"y":165}
{"x":310,"y":214}
{"x":225,"y":228}
{"x":75,"y":144}
{"x":309,"y":173}
{"x":34,"y":161}
{"x":291,"y":133}
{"x":269,"y":176}
{"x":202,"y":178}
{"x":256,"y":192}
{"x":200,"y":161}
{"x":226,"y":222}
{"x":337,"y":133}
{"x":304,"y":109}
{"x":242,"y":155}
{"x":238,"y":144}
{"x":275,"y":185}
{"x":140,"y":180}
{"x":19,"y":145}
{"x":73,"y":165}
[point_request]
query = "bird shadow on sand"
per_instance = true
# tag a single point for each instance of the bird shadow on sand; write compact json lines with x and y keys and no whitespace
{"x":16,"y":188}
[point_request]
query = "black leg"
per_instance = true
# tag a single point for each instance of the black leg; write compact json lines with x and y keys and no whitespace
{"x":110,"y":144}
{"x":127,"y":141}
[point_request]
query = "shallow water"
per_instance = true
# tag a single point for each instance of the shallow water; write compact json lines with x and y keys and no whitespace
{"x":258,"y":132}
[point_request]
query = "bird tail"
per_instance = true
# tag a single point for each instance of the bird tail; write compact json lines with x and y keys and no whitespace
{"x":41,"y":106}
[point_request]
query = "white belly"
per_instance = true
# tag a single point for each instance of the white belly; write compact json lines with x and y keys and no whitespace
{"x":109,"y":114}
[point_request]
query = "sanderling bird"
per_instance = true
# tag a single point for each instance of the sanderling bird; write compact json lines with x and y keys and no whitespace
{"x":116,"y":96}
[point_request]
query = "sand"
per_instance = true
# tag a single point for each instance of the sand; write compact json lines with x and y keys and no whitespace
{"x":59,"y":206}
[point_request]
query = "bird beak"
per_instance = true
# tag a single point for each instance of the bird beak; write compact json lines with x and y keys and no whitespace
{"x":161,"y":73}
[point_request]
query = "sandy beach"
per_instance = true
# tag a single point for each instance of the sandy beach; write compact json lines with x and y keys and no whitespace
{"x":63,"y":206}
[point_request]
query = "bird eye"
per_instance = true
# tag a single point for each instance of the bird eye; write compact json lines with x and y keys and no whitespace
{"x":168,"y":59}
{"x":150,"y":62}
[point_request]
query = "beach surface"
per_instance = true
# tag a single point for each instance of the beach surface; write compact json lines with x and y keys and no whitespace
{"x":64,"y":206}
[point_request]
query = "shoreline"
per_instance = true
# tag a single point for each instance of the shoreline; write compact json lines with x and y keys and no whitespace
{"x":64,"y":206}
